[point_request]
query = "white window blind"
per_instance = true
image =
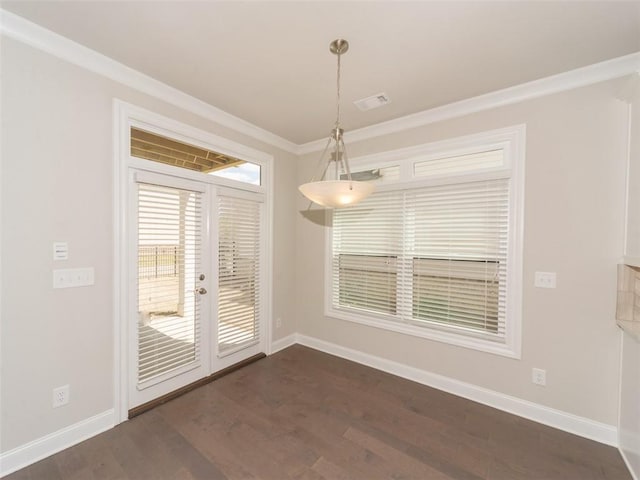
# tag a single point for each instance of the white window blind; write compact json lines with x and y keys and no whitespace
{"x":367,"y":244}
{"x":169,"y":243}
{"x":427,"y":256}
{"x":239,"y":255}
{"x":459,"y":255}
{"x":460,"y":163}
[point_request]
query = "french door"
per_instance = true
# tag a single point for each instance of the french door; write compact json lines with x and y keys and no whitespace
{"x":169,"y":305}
{"x":239,"y":319}
{"x":195,"y":296}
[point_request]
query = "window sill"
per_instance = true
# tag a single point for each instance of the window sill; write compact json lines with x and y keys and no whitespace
{"x":504,"y":349}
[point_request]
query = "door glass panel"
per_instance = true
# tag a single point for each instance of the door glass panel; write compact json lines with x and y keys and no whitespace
{"x":150,"y":146}
{"x":169,"y":245}
{"x":239,"y":274}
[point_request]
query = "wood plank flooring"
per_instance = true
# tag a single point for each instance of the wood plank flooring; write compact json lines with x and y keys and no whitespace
{"x":302,"y":414}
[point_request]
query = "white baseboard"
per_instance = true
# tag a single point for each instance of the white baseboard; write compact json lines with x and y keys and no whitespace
{"x":283,"y":343}
{"x":632,"y":471}
{"x":629,"y":446}
{"x":46,"y":446}
{"x":584,"y":427}
{"x":31,"y":452}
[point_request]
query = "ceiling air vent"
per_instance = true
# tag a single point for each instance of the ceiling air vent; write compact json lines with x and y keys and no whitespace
{"x":374,"y":101}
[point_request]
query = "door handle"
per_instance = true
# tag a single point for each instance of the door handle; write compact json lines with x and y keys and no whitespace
{"x":202,"y":291}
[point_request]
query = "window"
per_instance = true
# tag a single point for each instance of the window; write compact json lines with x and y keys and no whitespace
{"x":161,"y":149}
{"x":245,"y":172}
{"x":436,"y":253}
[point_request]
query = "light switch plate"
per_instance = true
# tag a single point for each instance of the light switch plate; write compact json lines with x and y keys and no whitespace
{"x":73,"y":277}
{"x":60,"y":251}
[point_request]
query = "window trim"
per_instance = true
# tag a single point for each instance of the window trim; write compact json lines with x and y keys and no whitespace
{"x":512,"y":141}
{"x":137,"y":117}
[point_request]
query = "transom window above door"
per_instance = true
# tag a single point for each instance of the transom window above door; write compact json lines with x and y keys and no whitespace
{"x":157,"y":148}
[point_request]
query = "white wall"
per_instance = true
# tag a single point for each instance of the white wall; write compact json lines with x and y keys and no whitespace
{"x":57,"y":185}
{"x":574,"y":204}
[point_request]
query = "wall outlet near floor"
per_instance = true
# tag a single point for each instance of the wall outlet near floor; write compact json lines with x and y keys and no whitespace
{"x":278,"y":322}
{"x":539,"y":376}
{"x":60,"y":396}
{"x":545,"y":280}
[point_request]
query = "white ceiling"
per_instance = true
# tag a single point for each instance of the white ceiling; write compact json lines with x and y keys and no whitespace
{"x":269,"y":63}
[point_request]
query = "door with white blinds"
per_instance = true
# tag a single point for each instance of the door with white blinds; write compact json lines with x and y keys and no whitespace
{"x":240,"y":280}
{"x":170,"y":323}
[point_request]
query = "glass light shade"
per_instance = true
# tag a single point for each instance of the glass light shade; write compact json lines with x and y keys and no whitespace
{"x":336,"y":193}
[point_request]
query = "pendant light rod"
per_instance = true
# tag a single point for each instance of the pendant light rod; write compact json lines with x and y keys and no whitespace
{"x":338,"y":47}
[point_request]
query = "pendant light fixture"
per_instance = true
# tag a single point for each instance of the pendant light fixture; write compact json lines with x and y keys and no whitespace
{"x":342,"y":190}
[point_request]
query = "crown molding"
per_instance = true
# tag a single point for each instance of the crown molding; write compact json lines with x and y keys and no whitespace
{"x":29,"y":33}
{"x":16,"y":27}
{"x":580,"y":77}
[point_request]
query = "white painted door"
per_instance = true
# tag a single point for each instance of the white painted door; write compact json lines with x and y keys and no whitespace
{"x":170,"y":279}
{"x":238,"y":331}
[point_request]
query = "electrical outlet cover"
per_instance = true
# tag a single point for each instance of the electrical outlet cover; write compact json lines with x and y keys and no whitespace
{"x":539,"y":376}
{"x":60,"y":396}
{"x":545,"y":279}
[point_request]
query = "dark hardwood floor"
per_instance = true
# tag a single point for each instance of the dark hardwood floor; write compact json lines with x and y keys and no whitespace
{"x":303,"y":414}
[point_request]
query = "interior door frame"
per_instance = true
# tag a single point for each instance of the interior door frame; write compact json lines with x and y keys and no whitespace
{"x":125,"y":116}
